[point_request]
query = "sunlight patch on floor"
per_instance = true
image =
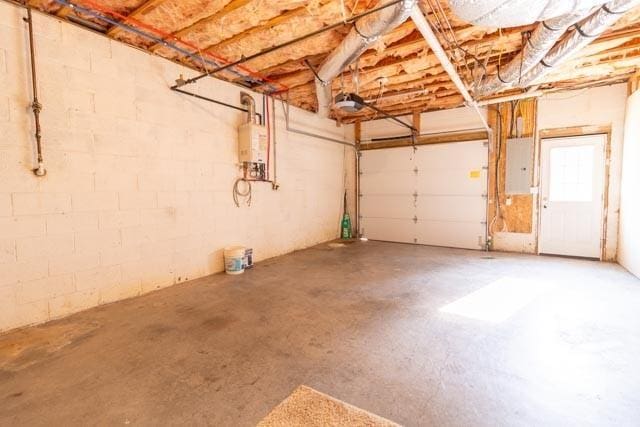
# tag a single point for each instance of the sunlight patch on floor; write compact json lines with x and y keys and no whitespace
{"x":498,"y":300}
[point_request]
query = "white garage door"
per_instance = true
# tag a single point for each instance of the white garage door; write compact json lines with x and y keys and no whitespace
{"x":435,"y":195}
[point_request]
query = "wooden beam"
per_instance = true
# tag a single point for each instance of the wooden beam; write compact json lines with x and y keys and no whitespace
{"x":230,"y":7}
{"x":442,"y":138}
{"x":416,"y":121}
{"x":574,"y":131}
{"x":141,"y":10}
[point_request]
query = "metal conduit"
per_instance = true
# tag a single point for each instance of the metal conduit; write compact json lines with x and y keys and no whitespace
{"x":421,"y":23}
{"x":285,"y":109}
{"x":36,"y":106}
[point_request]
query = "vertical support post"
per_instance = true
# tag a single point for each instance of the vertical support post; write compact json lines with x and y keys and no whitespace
{"x":416,"y":122}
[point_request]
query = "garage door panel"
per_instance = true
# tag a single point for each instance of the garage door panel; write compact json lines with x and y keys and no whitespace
{"x":392,"y":183}
{"x":451,"y":181}
{"x":386,"y":206}
{"x":447,"y":208}
{"x":389,"y":229}
{"x":450,"y":234}
{"x":462,"y":154}
{"x":395,"y":160}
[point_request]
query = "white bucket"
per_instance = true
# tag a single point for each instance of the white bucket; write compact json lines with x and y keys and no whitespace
{"x":234,"y":259}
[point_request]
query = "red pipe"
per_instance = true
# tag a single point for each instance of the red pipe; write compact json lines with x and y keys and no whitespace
{"x":267,"y":121}
{"x":165,"y":35}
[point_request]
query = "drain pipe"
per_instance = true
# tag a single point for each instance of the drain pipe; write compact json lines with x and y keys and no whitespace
{"x":36,"y":107}
{"x":423,"y":26}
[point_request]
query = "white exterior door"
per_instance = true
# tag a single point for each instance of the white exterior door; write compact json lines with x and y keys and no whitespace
{"x":572,"y":190}
{"x":435,"y":195}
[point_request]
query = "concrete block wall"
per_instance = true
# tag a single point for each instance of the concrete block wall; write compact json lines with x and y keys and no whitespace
{"x":138,"y":194}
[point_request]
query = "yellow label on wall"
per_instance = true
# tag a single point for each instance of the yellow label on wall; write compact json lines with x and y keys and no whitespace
{"x":474,"y":174}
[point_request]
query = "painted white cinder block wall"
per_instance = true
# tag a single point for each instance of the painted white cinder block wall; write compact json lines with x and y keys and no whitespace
{"x":138,"y":192}
{"x":629,"y":237}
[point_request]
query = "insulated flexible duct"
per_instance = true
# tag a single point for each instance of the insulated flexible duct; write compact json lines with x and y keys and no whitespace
{"x":536,"y":47}
{"x":364,"y":33}
{"x":513,"y":13}
{"x":586,"y":32}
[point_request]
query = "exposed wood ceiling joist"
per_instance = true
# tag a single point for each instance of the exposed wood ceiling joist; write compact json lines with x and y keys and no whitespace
{"x":413,"y":79}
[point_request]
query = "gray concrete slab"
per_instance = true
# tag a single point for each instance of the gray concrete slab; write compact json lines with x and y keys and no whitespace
{"x":361,"y":323}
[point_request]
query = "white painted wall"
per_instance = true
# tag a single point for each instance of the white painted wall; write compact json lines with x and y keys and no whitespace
{"x":629,"y":237}
{"x":138,"y":192}
{"x":601,"y":106}
{"x":457,"y":119}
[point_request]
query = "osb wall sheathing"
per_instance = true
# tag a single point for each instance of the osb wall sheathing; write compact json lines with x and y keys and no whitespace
{"x":518,"y":216}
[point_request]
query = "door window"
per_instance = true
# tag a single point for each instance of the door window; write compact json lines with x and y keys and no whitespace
{"x":571,"y":173}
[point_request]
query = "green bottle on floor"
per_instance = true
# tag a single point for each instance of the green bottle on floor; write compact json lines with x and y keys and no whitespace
{"x":346,"y":226}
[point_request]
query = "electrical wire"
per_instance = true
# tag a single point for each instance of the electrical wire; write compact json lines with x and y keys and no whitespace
{"x":246,"y":195}
{"x":457,"y":53}
{"x":498,"y":212}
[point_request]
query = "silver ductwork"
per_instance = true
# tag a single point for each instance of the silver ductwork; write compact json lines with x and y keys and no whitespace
{"x":586,"y":31}
{"x":364,"y":33}
{"x":535,"y":48}
{"x":513,"y":13}
{"x":541,"y":53}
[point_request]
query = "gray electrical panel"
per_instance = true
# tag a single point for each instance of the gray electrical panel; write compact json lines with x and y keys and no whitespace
{"x":519,"y":165}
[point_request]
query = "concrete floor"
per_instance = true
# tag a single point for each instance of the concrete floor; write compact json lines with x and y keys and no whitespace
{"x":361,"y":323}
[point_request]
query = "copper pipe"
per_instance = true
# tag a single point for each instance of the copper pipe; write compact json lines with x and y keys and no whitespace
{"x":36,"y":106}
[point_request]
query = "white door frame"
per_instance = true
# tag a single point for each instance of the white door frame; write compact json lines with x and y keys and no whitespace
{"x":549,"y":134}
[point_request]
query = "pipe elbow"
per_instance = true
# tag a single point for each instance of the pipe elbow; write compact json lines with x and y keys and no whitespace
{"x":248,"y":101}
